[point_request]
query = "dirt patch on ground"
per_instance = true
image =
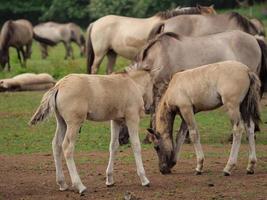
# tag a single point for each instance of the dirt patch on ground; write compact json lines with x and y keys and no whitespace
{"x":33,"y":176}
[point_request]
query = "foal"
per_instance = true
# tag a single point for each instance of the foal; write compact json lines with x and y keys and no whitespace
{"x":78,"y":97}
{"x":228,"y":83}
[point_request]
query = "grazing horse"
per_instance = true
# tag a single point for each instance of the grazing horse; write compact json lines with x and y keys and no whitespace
{"x":16,"y":34}
{"x":208,"y":87}
{"x":117,"y":35}
{"x":118,"y":97}
{"x":198,"y":25}
{"x":51,"y":33}
{"x":168,"y":53}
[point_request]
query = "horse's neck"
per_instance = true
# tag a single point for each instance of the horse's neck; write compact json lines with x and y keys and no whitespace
{"x":164,"y":118}
{"x":141,"y":79}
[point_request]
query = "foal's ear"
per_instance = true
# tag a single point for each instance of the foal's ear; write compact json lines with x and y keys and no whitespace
{"x":152,"y":136}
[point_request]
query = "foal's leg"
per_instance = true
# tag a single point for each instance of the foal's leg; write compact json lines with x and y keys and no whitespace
{"x":44,"y":50}
{"x":68,"y":149}
{"x":57,"y":151}
{"x":238,"y":129}
{"x":113,"y":146}
{"x":180,"y":138}
{"x":135,"y":143}
{"x":188,"y":116}
{"x":252,"y":151}
{"x":111,"y":61}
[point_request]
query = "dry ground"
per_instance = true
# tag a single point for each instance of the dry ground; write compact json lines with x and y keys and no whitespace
{"x":33,"y":176}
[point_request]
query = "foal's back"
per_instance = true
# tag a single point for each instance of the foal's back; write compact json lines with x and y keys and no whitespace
{"x":209,"y":86}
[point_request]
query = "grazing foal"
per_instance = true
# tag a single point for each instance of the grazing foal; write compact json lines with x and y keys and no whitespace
{"x":228,"y":83}
{"x":120,"y":98}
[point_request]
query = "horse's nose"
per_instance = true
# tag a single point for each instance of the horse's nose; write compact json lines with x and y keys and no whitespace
{"x":164,"y":169}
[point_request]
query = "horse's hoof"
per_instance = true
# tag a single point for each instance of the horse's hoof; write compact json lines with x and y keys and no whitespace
{"x":146,"y":184}
{"x":226,"y":173}
{"x":64,"y":187}
{"x":82,"y":191}
{"x":198,"y":173}
{"x":110,"y":184}
{"x":250,"y":172}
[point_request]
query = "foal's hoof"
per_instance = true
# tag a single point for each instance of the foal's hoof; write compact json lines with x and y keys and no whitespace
{"x":110,"y":184}
{"x":250,"y":172}
{"x":226,"y":173}
{"x":198,"y":173}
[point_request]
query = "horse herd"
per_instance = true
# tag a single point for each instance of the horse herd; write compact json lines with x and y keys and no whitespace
{"x":185,"y":61}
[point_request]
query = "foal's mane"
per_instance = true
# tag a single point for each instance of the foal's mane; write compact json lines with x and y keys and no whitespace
{"x":243,"y":22}
{"x":143,"y":53}
{"x":172,"y":13}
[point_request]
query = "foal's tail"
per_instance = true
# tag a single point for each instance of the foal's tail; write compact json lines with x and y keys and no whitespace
{"x":47,"y":106}
{"x":90,"y":55}
{"x":250,"y":106}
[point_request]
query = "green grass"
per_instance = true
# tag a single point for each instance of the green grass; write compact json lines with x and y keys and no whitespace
{"x":16,"y":137}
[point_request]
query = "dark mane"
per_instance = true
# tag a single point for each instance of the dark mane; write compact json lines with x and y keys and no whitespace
{"x":243,"y":22}
{"x":172,"y":13}
{"x":143,"y":53}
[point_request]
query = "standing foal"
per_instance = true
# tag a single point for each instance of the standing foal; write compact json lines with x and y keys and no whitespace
{"x":77,"y":97}
{"x":228,"y":83}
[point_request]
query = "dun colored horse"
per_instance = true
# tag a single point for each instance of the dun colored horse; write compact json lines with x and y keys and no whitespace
{"x":125,"y":36}
{"x":17,"y":34}
{"x":228,"y":83}
{"x":76,"y":98}
{"x":198,"y":25}
{"x":51,"y":33}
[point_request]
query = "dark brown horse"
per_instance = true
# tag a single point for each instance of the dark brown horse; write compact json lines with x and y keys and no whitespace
{"x":17,"y":34}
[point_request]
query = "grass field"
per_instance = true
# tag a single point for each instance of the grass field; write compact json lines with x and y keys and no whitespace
{"x":26,"y":165}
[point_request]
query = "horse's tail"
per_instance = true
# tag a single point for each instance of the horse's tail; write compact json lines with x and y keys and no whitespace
{"x":157,"y":29}
{"x":90,"y":55}
{"x":263,"y":66}
{"x":250,"y":106}
{"x":48,"y":105}
{"x":43,"y":40}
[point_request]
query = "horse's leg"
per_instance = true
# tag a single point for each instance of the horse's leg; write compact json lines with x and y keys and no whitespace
{"x":96,"y":64}
{"x":71,"y":51}
{"x":111,"y":61}
{"x":24,"y":56}
{"x":113,"y":146}
{"x":188,"y":116}
{"x":57,"y":152}
{"x":133,"y":124}
{"x":238,"y":129}
{"x":29,"y":49}
{"x":252,"y":151}
{"x":180,"y":138}
{"x":66,"y":45}
{"x":19,"y":57}
{"x":44,"y":51}
{"x":8,"y":61}
{"x":68,"y":149}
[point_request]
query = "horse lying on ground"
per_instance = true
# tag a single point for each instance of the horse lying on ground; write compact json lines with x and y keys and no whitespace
{"x":118,"y":97}
{"x":17,"y":34}
{"x":51,"y":33}
{"x":228,"y":83}
{"x":125,"y":36}
{"x":27,"y":82}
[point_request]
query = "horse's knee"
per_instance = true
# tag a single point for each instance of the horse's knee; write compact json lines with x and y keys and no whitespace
{"x":193,"y":135}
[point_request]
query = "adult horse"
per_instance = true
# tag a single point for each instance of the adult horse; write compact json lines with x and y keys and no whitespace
{"x":17,"y":34}
{"x":125,"y":36}
{"x":51,"y":33}
{"x":227,"y":83}
{"x":197,"y":25}
{"x":169,"y":53}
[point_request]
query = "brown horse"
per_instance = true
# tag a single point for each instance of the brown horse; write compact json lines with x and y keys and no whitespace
{"x":228,"y":83}
{"x":169,"y":53}
{"x":17,"y":34}
{"x":51,"y":33}
{"x":198,"y":25}
{"x":125,"y":36}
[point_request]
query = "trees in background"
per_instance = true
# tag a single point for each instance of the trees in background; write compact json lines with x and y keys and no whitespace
{"x":85,"y":11}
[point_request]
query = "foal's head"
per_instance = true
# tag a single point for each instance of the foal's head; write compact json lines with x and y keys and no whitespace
{"x":163,"y":145}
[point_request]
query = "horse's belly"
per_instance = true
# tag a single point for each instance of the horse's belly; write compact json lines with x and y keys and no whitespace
{"x":105,"y":113}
